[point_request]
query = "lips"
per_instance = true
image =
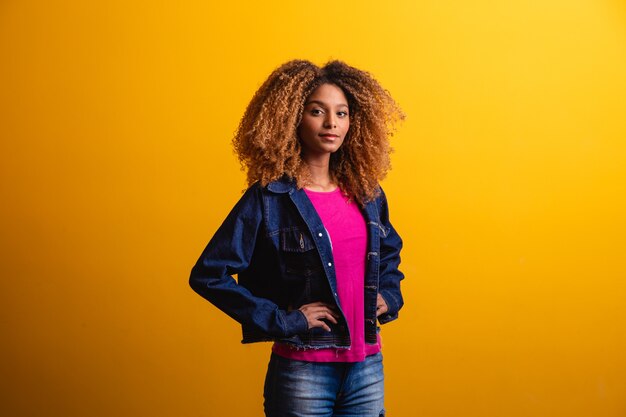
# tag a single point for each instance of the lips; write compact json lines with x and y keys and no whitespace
{"x":329,"y":135}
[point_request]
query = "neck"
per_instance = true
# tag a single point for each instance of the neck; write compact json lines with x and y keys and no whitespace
{"x":319,"y":171}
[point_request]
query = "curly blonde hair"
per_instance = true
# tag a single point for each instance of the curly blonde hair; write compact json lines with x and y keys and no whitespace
{"x":267,"y":143}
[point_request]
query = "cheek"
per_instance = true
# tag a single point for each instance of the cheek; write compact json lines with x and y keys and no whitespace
{"x":304,"y":127}
{"x":301,"y":131}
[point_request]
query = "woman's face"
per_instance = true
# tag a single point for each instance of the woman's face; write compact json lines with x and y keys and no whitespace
{"x":325,"y":121}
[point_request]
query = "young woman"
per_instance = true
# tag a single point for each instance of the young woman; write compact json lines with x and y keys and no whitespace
{"x":310,"y":240}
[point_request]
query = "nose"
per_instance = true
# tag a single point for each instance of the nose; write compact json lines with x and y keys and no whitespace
{"x":330,"y":121}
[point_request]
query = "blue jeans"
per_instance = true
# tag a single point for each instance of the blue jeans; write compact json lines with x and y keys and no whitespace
{"x":339,"y":389}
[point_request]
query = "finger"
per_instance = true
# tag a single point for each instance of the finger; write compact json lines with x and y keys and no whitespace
{"x":330,"y":309}
{"x":333,"y":311}
{"x":317,"y":305}
{"x":331,"y":318}
{"x":381,"y":309}
{"x":325,"y":315}
{"x":326,"y":310}
{"x":320,"y":323}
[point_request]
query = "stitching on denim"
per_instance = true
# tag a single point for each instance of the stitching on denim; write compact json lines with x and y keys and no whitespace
{"x":266,"y":212}
{"x":393,"y":298}
{"x":286,"y":239}
{"x":288,"y":229}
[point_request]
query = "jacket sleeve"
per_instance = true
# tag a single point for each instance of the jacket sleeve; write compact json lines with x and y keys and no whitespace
{"x":389,"y":275}
{"x":229,"y":252}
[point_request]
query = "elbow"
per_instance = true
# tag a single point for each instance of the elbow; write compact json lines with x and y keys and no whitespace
{"x":195,"y":281}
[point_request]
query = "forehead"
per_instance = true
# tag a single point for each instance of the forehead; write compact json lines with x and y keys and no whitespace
{"x":328,"y":94}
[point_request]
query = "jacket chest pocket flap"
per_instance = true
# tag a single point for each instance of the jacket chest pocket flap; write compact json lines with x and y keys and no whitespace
{"x":296,"y":240}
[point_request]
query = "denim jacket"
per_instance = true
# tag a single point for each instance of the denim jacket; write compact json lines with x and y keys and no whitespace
{"x":275,"y":242}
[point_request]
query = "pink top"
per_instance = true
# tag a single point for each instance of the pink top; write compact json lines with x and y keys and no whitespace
{"x":348,"y":234}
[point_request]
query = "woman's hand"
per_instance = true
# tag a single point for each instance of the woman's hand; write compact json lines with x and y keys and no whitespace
{"x":381,"y":305}
{"x":315,"y":313}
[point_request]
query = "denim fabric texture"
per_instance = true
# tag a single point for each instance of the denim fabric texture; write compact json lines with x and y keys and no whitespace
{"x":296,"y":388}
{"x":275,"y":242}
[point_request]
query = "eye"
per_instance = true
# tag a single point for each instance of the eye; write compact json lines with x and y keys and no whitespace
{"x":342,"y":114}
{"x":316,"y":112}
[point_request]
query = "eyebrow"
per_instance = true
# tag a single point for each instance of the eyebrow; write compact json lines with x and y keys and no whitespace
{"x":324,"y":104}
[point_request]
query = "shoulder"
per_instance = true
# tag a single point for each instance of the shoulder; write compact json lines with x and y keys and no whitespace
{"x":256,"y":193}
{"x":380,"y":198}
{"x":250,"y":201}
{"x":284,"y":184}
{"x":381,"y":202}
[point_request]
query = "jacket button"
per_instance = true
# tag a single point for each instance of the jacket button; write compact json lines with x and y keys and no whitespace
{"x":320,"y":235}
{"x":330,"y":264}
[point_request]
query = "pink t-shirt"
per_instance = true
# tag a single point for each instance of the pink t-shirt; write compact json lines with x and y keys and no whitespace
{"x":348,"y":235}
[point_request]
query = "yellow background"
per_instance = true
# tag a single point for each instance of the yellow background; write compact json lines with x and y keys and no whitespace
{"x":508,"y":187}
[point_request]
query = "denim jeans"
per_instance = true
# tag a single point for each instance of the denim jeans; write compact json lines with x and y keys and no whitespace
{"x":296,"y":388}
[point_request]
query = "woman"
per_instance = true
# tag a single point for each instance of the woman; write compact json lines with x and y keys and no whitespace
{"x":310,"y":240}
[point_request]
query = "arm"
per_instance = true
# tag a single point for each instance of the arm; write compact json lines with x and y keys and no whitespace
{"x":390,"y":276}
{"x":229,"y":252}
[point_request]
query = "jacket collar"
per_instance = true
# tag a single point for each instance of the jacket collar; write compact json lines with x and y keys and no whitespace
{"x":286,"y":184}
{"x":282,"y":185}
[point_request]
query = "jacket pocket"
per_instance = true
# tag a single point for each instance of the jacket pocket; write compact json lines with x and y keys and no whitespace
{"x":300,"y":264}
{"x":296,"y":240}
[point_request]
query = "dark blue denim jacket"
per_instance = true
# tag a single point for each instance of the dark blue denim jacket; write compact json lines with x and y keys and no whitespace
{"x":275,"y":242}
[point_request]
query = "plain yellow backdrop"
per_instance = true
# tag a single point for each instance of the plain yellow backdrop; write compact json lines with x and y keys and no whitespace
{"x":508,"y":187}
